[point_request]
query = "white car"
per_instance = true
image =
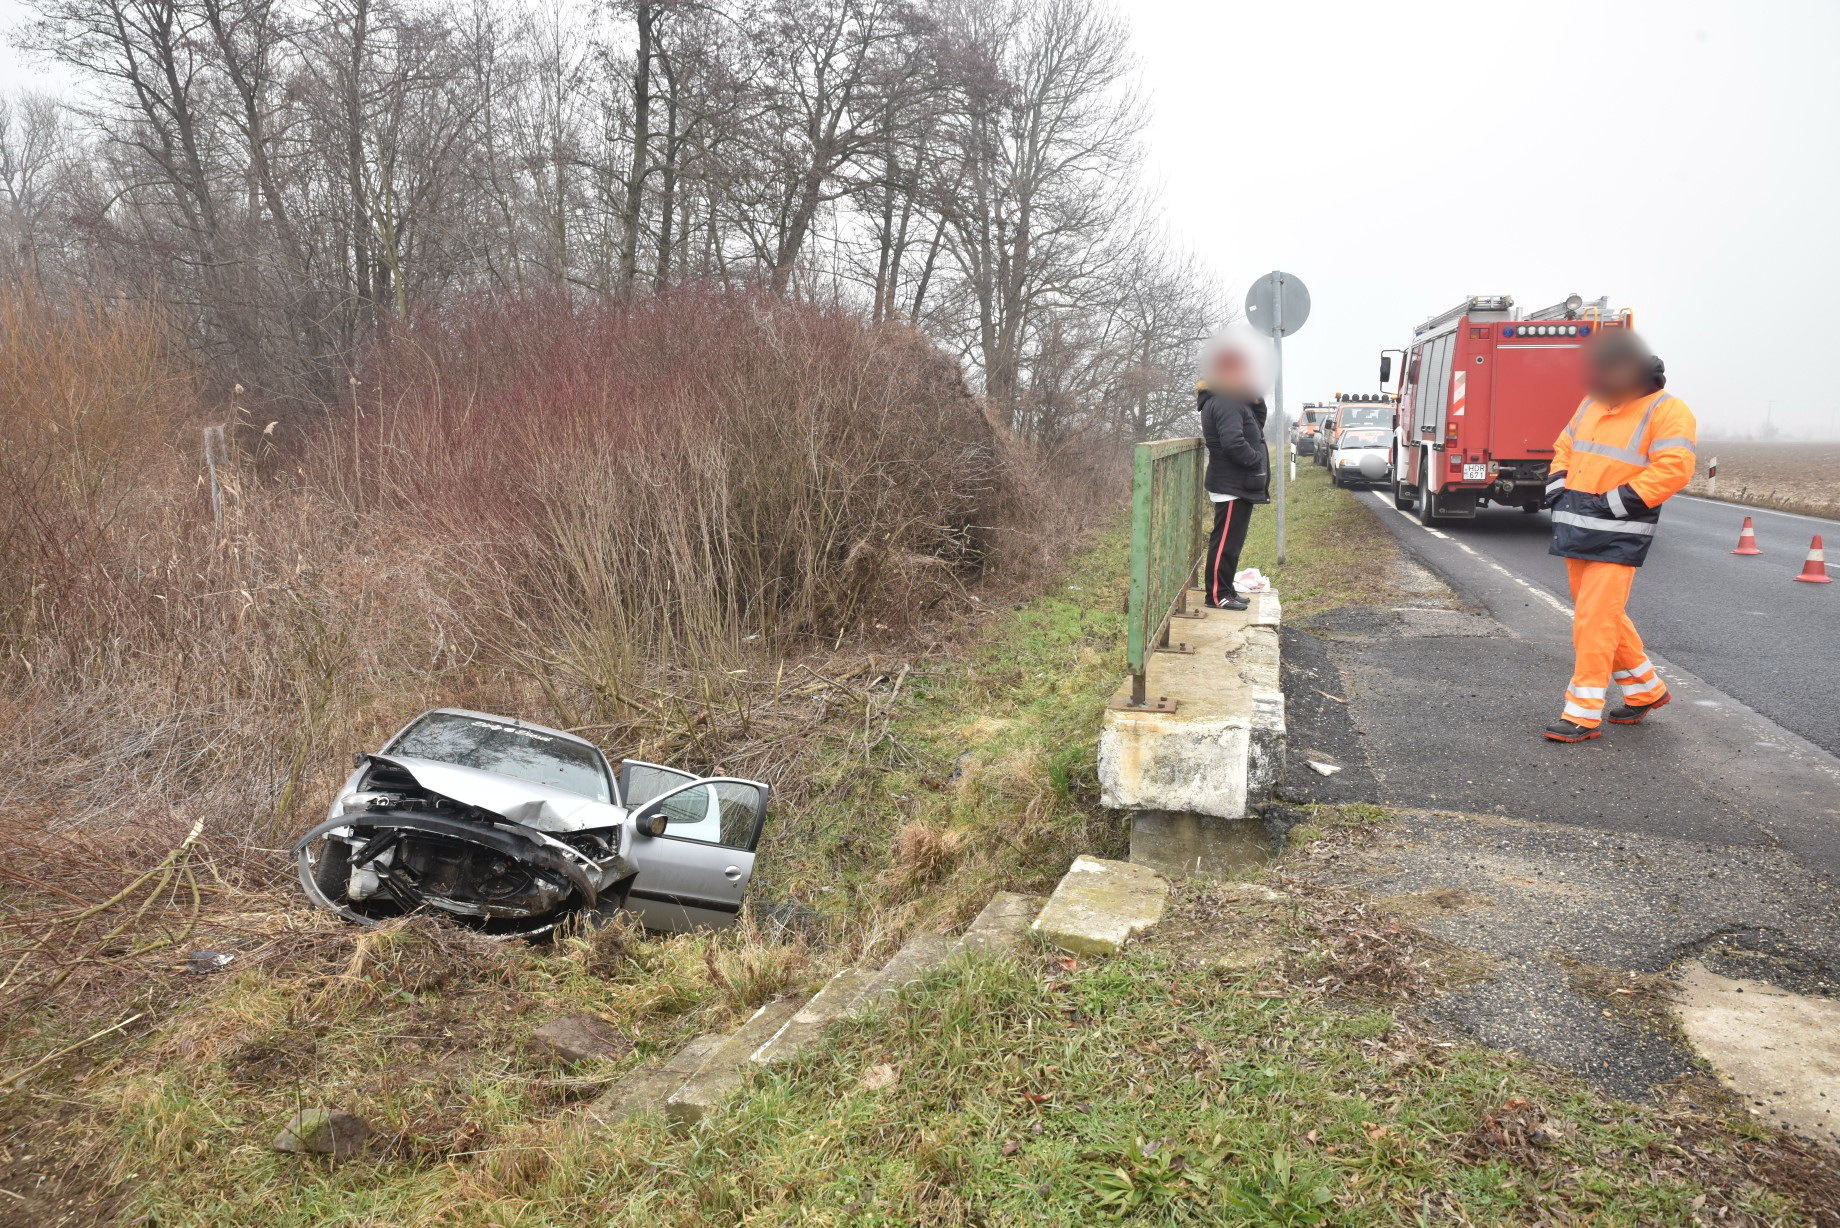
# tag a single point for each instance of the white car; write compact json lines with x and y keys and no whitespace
{"x":511,"y":828}
{"x":1361,"y":454}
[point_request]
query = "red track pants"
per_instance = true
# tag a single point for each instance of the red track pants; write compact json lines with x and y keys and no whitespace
{"x":1605,"y":644}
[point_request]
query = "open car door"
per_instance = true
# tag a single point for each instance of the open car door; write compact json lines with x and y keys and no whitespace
{"x":640,"y":781}
{"x":696,"y":870}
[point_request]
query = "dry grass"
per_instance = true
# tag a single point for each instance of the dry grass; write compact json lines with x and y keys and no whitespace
{"x":619,"y":520}
{"x":720,"y":532}
{"x":924,"y":853}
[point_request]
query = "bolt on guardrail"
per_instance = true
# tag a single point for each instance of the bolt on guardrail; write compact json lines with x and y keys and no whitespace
{"x":1168,"y":538}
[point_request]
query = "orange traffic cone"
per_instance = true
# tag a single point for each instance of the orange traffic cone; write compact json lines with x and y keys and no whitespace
{"x":1814,"y":570}
{"x":1747,"y":539}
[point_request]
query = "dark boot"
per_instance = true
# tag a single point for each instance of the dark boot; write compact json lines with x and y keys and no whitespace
{"x":1566,"y":731}
{"x":1635,"y":714}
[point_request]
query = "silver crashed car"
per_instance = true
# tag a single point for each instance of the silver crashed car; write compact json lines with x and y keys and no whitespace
{"x":512,"y":828}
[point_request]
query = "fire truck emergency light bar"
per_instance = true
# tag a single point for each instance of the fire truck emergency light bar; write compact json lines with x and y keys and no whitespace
{"x":1546,"y":330}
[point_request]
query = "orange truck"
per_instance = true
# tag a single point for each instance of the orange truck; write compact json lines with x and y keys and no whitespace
{"x":1363,"y":409}
{"x":1310,"y":424}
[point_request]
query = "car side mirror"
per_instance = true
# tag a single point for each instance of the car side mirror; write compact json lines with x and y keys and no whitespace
{"x":357,"y":759}
{"x":650,"y":822}
{"x":1386,"y":369}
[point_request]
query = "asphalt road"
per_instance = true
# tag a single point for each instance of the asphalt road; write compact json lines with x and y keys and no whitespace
{"x":1449,"y":712}
{"x":1709,"y":833}
{"x":1740,"y":622}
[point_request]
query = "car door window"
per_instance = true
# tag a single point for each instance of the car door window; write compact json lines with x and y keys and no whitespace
{"x":724,"y":812}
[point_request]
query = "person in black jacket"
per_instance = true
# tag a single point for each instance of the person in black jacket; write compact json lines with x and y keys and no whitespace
{"x":1238,"y":468}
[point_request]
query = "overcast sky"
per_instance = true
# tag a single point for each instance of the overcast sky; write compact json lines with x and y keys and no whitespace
{"x":1681,"y":156}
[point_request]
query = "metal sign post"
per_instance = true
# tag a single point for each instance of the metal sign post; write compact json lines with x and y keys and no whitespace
{"x":1277,"y":305}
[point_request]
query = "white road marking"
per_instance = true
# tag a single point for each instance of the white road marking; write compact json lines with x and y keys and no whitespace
{"x":1468,"y":549}
{"x":1796,"y":746}
{"x":1752,"y":509}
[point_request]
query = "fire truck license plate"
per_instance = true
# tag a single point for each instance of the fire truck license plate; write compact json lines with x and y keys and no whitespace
{"x":1475,"y":473}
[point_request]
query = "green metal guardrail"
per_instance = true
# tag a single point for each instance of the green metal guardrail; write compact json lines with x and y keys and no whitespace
{"x":1168,"y":538}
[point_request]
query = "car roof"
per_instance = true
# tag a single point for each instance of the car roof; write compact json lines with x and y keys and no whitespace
{"x":512,"y":720}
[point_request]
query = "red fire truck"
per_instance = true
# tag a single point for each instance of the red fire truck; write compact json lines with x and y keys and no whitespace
{"x":1483,"y":392}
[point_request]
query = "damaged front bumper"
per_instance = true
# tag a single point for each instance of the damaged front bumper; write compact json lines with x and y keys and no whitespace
{"x":390,"y":852}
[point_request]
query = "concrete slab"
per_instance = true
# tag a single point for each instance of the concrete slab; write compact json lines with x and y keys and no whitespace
{"x":1002,"y":922}
{"x":1180,"y":846}
{"x":841,"y":996}
{"x":1779,"y":1050}
{"x":723,"y":1071}
{"x":1222,"y":749}
{"x":1100,"y":904}
{"x":646,"y":1088}
{"x":918,"y":956}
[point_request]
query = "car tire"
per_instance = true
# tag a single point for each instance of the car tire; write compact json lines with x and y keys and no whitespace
{"x":332,"y":872}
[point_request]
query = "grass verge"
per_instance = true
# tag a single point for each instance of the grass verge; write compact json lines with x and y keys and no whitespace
{"x":1337,"y":552}
{"x":1158,"y":1089}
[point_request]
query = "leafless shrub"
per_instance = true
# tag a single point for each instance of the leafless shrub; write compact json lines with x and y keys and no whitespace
{"x":603,"y":518}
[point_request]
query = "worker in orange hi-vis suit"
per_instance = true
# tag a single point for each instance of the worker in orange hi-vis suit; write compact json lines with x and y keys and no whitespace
{"x":1625,"y":452}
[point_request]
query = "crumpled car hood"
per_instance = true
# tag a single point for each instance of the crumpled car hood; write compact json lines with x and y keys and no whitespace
{"x":520,"y":801}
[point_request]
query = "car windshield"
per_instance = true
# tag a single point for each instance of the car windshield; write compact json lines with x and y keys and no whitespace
{"x":508,"y":750}
{"x":1366,"y":415}
{"x":1365,"y":439}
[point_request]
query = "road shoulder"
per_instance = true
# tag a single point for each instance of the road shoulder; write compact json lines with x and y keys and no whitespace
{"x":1592,"y":880}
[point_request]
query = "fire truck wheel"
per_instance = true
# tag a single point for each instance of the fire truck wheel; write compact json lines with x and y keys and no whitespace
{"x":1427,"y":498}
{"x":1401,"y":499}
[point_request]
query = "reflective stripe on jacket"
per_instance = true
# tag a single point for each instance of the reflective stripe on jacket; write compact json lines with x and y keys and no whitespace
{"x":1613,"y":466}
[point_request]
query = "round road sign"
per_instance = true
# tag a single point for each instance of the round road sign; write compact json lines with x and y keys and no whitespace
{"x":1277,"y":304}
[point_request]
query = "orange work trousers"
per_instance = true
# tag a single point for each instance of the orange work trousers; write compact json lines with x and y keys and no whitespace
{"x":1605,"y":645}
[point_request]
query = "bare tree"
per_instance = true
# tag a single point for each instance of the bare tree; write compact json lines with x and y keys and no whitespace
{"x":291,"y":177}
{"x":34,"y":143}
{"x":1046,"y":135}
